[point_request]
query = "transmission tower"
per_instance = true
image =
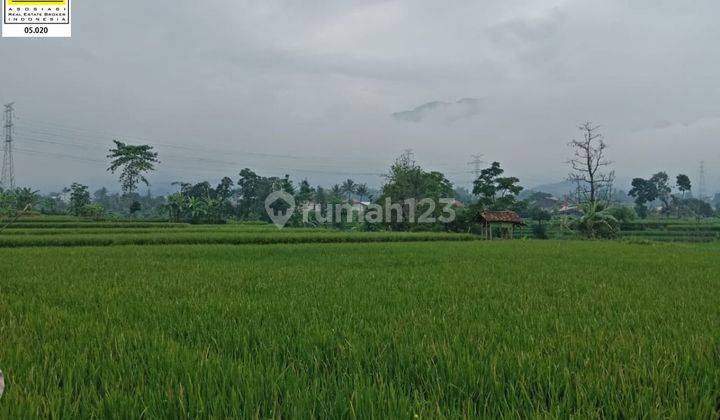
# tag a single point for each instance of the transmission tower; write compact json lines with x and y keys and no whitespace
{"x":7,"y":179}
{"x":702,"y":187}
{"x":476,"y":162}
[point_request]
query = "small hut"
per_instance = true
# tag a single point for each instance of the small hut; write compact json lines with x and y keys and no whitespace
{"x":504,"y":221}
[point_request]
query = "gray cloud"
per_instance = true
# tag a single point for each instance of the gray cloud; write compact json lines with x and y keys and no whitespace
{"x":265,"y":79}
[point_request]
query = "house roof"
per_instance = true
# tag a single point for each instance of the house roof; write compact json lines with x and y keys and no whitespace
{"x":502,"y":217}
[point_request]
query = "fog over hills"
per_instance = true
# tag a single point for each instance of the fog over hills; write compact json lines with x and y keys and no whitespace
{"x":440,"y":111}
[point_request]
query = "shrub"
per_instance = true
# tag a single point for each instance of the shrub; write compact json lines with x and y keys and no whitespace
{"x":93,"y":211}
{"x":622,"y":214}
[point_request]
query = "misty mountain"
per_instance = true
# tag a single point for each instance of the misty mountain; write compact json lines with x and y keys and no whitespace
{"x":557,"y":189}
{"x":447,"y":112}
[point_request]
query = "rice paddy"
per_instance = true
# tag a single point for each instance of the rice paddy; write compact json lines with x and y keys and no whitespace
{"x":383,"y":325}
{"x":658,"y":230}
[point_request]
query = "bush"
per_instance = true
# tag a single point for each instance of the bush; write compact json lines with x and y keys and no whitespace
{"x":699,"y":207}
{"x":622,"y":214}
{"x":93,"y":211}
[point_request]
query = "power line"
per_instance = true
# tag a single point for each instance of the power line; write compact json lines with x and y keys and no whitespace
{"x":92,"y":134}
{"x":61,"y":139}
{"x":7,"y":179}
{"x":203,"y":161}
{"x":47,"y":132}
{"x":43,"y":132}
{"x":59,"y":155}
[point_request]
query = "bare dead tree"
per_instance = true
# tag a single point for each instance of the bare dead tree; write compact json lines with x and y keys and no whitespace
{"x":587,"y":165}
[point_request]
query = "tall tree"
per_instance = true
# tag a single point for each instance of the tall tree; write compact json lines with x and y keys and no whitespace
{"x":662,"y":186}
{"x":250,"y":192}
{"x":408,"y":181}
{"x":494,"y":191}
{"x":305,"y":193}
{"x":254,"y":189}
{"x":282,"y":184}
{"x":644,"y":191}
{"x":683,"y":183}
{"x":224,"y":191}
{"x":133,"y":161}
{"x":587,"y":164}
{"x":79,"y":198}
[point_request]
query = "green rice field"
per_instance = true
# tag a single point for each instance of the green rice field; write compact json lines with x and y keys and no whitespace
{"x":306,"y":323}
{"x":683,"y":230}
{"x":658,"y":230}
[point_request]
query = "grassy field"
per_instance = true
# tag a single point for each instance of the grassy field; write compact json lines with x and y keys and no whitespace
{"x":434,"y":329}
{"x":674,"y":230}
{"x":70,"y":233}
{"x":233,"y":238}
{"x":658,"y":230}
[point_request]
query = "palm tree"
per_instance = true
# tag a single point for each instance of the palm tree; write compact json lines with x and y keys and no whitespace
{"x":336,"y":191}
{"x":348,"y":187}
{"x":362,"y":191}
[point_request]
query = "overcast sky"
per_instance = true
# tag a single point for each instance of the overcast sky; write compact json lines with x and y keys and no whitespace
{"x":329,"y":89}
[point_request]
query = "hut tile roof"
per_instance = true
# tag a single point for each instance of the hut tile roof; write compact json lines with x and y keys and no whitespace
{"x":502,"y":217}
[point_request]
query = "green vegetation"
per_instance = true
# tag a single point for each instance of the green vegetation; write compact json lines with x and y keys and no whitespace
{"x":60,"y":230}
{"x":343,"y":330}
{"x":679,"y":230}
{"x":221,"y":237}
{"x":662,"y":230}
{"x":37,"y":225}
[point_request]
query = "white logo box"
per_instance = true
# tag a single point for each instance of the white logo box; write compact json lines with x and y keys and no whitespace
{"x":36,"y":18}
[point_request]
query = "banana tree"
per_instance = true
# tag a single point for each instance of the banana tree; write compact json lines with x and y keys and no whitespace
{"x":596,"y":222}
{"x":198,"y":209}
{"x":175,"y":207}
{"x":26,"y":196}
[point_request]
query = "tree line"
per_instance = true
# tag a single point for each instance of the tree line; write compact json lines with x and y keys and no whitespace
{"x":243,"y":197}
